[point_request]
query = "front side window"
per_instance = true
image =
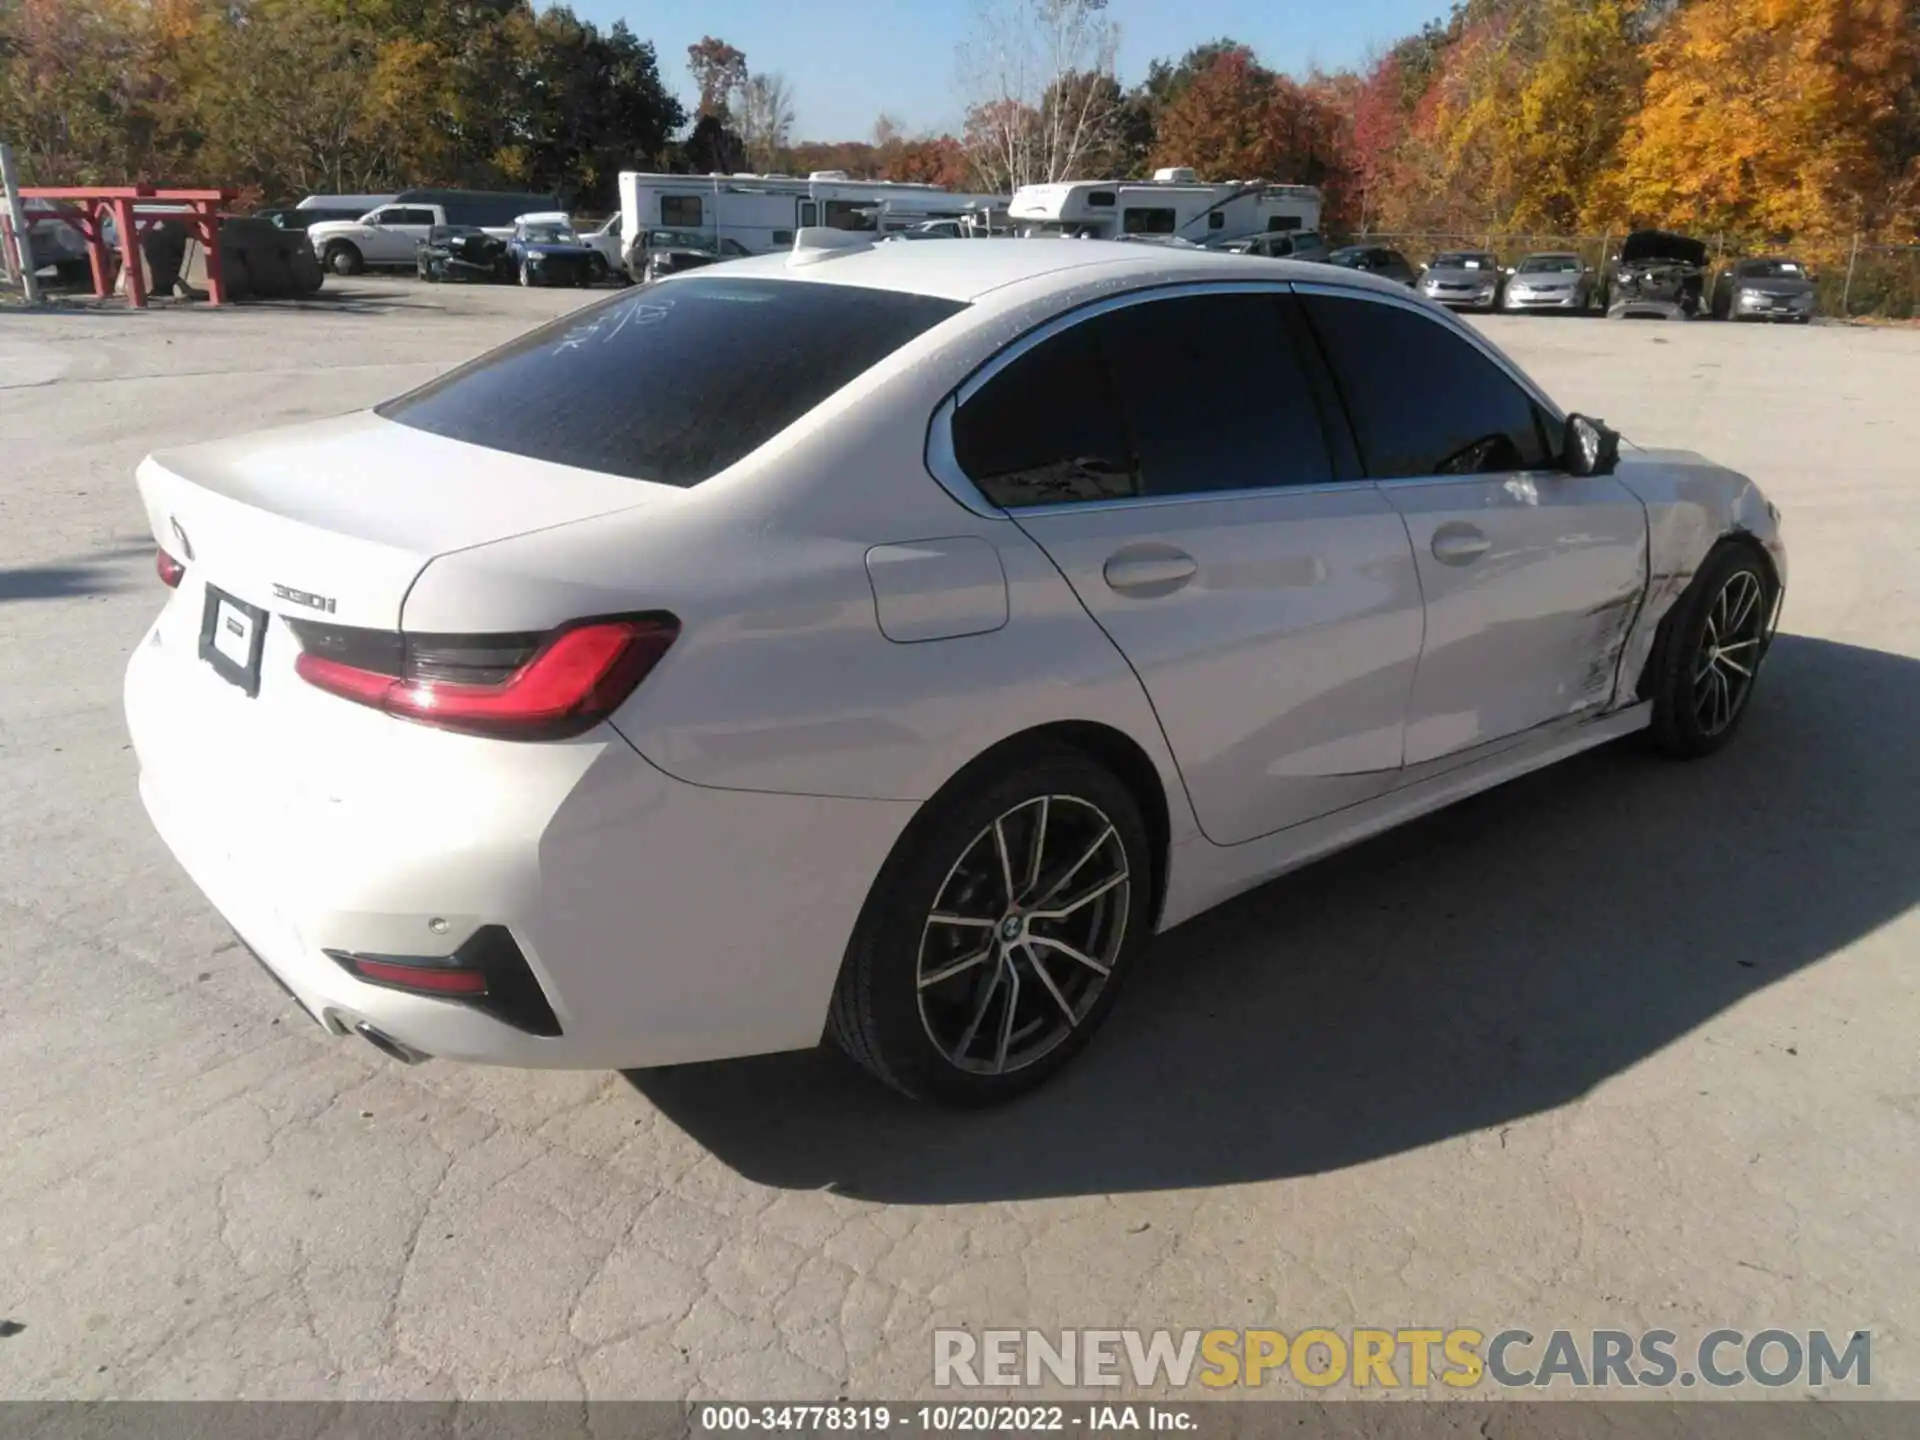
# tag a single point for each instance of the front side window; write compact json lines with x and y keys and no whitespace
{"x":1184,"y":395}
{"x":670,"y":382}
{"x":1424,"y":400}
{"x":408,"y":217}
{"x":681,"y":210}
{"x":1147,"y":220}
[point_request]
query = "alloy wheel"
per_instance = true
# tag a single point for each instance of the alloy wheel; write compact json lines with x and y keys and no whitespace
{"x":1731,"y":642}
{"x":1023,"y":935}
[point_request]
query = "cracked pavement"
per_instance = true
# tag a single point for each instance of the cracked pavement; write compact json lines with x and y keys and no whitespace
{"x":1623,"y":1044}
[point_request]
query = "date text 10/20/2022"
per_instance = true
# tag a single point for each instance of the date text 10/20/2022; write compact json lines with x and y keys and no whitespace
{"x":936,"y":1419}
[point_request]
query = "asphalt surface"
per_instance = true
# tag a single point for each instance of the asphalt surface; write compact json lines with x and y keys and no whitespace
{"x":1625,"y":1044}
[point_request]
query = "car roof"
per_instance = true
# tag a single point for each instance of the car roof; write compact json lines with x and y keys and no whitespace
{"x":967,"y":270}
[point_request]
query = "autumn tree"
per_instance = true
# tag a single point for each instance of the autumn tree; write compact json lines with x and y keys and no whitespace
{"x":719,"y":70}
{"x":1035,"y":114}
{"x":765,"y":119}
{"x":1776,"y":117}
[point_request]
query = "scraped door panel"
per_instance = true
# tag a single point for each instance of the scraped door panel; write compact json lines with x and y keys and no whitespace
{"x":1276,"y":636}
{"x":1531,"y":580}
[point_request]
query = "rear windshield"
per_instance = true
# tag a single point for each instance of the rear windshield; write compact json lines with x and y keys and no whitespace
{"x":673,"y":381}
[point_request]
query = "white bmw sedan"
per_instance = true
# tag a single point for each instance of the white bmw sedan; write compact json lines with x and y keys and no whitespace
{"x":887,"y":641}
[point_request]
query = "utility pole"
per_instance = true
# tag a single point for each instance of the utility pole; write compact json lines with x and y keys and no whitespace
{"x":1846,"y":292}
{"x":17,"y":223}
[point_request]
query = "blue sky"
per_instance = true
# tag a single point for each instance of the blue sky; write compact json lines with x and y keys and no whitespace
{"x":848,"y":60}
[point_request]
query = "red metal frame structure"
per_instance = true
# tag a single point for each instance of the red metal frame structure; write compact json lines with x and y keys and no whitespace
{"x":86,"y":208}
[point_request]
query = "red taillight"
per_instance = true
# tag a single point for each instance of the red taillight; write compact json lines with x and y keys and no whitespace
{"x":578,"y":677}
{"x":170,"y":570}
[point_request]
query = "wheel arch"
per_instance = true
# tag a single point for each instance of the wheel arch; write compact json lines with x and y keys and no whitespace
{"x":1736,"y":537}
{"x":1119,"y":753}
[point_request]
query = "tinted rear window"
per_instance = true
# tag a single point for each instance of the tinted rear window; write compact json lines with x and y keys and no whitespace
{"x":670,"y":382}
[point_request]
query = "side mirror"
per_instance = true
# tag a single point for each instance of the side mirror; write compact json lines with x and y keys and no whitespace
{"x":1590,"y":447}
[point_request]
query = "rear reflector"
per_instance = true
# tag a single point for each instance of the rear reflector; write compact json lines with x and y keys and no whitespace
{"x":511,"y":687}
{"x":170,"y":570}
{"x":488,"y":973}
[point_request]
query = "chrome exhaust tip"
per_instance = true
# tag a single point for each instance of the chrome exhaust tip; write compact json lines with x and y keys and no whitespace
{"x":388,"y":1046}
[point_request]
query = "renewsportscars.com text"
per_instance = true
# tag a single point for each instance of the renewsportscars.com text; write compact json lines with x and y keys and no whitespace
{"x":1402,"y":1358}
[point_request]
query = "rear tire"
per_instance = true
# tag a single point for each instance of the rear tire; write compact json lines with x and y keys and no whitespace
{"x":1709,"y":655}
{"x":954,"y":991}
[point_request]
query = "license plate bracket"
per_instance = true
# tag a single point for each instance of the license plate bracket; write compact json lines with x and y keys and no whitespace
{"x":232,"y":636}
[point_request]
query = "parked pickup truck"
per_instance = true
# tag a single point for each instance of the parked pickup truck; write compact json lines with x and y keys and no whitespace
{"x":390,"y":234}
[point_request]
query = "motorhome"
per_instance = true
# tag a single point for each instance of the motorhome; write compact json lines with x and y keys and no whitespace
{"x":760,"y":213}
{"x":1175,"y":202}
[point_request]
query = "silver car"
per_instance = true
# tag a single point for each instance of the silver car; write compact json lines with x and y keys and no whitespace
{"x":1462,"y":280}
{"x":1550,"y":280}
{"x":887,"y":641}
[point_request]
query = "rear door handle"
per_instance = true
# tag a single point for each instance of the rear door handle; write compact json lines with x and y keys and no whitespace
{"x":1459,"y":544}
{"x":1149,"y":570}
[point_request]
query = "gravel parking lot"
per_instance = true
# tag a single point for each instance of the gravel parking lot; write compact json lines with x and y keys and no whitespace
{"x":1625,"y":1044}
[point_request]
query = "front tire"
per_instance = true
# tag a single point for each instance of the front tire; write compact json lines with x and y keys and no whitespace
{"x":597,"y":270}
{"x":344,"y":259}
{"x":526,"y":275}
{"x":1709,"y":657}
{"x":997,"y":935}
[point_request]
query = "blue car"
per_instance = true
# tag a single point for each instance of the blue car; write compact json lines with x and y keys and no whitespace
{"x":546,"y":250}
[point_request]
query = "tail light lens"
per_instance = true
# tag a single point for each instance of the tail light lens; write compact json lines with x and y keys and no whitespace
{"x":512,"y":687}
{"x":170,"y":570}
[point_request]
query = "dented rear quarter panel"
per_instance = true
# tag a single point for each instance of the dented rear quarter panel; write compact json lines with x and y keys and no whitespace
{"x":1692,"y":504}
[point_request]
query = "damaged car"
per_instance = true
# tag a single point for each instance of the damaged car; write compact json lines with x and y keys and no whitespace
{"x":1774,"y":288}
{"x":1657,"y":275}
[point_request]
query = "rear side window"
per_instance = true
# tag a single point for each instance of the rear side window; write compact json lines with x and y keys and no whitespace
{"x":1168,"y":397}
{"x":1147,"y":220}
{"x":1424,"y":401}
{"x":1046,"y":430}
{"x":671,"y":382}
{"x":680,"y":210}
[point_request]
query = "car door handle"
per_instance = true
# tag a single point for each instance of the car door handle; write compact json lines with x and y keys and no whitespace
{"x":1148,"y":570}
{"x":1459,"y":544}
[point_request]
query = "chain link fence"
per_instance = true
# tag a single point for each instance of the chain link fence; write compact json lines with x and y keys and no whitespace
{"x":1853,"y":279}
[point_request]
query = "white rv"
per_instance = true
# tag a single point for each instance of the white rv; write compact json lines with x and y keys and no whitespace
{"x":1175,"y":203}
{"x":761,"y":213}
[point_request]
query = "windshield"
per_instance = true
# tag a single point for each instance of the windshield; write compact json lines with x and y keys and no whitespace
{"x":1464,"y":260}
{"x":1772,"y":270}
{"x":1349,"y":258}
{"x":1549,"y":265}
{"x":549,"y":233}
{"x":673,"y":381}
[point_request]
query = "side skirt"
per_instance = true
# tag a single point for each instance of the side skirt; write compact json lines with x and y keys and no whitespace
{"x":1203,"y":875}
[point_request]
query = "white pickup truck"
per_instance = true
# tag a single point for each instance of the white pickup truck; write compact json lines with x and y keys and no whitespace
{"x":385,"y":236}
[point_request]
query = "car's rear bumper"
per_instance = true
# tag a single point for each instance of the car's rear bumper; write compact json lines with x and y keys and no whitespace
{"x":1648,"y":310}
{"x":664,"y":922}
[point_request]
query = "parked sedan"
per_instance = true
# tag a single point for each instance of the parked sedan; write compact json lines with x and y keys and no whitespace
{"x":1281,"y":245}
{"x":1462,"y":280}
{"x":546,"y":251}
{"x":656,"y":254}
{"x":1770,"y":289}
{"x":887,"y":642}
{"x":1374,"y":260}
{"x":1550,"y":280}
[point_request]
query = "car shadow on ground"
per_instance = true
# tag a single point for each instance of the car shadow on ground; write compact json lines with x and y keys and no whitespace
{"x":1488,"y":962}
{"x":101,"y":573}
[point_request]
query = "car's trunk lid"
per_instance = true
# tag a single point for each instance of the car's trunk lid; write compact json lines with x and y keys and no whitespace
{"x":339,"y":516}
